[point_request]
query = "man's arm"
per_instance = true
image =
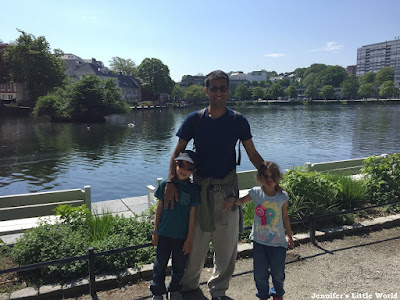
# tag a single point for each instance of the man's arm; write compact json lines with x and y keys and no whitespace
{"x":252,"y":153}
{"x":171,"y":192}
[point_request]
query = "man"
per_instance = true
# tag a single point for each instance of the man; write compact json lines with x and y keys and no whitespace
{"x":215,"y":131}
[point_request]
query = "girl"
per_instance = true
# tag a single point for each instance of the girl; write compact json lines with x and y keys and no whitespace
{"x":270,"y":222}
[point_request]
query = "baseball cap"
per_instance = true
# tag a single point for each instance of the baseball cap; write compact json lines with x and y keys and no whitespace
{"x":188,"y":156}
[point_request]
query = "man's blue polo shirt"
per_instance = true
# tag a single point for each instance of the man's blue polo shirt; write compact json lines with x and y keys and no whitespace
{"x":215,"y":140}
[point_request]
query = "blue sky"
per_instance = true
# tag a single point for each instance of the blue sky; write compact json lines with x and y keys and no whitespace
{"x":193,"y":37}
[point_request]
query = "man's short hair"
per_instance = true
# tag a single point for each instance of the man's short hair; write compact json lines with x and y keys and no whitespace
{"x":218,"y":74}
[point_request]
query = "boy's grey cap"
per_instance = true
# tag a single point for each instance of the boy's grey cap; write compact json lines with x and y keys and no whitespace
{"x":188,"y":156}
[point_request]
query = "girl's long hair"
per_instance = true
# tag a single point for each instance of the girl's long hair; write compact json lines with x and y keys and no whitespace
{"x":273,"y":168}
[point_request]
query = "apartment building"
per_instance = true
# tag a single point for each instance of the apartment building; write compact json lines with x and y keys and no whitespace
{"x":376,"y":56}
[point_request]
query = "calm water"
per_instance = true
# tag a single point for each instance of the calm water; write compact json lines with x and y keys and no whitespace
{"x":119,"y":161}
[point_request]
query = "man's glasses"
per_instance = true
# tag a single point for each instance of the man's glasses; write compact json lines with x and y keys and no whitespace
{"x":222,"y":88}
{"x":187,"y":166}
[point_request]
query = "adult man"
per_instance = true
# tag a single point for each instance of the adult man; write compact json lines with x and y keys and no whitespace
{"x":215,"y":131}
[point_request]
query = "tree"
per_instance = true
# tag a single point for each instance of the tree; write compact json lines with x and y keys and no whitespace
{"x":311,"y":78}
{"x":177,"y":92}
{"x":367,"y":78}
{"x":126,"y":66}
{"x":291,"y":92}
{"x":350,"y":87}
{"x":89,"y":99}
{"x":242,"y":92}
{"x":155,"y":76}
{"x":311,"y":92}
{"x":388,"y":89}
{"x":276,"y":91}
{"x":333,"y":75}
{"x":4,"y":65}
{"x":384,"y":74}
{"x":257,"y":93}
{"x":327,"y":92}
{"x":367,"y":90}
{"x":195,"y":94}
{"x":31,"y":62}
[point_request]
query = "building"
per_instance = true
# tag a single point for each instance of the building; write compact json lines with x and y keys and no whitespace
{"x":77,"y":67}
{"x":236,"y":78}
{"x":257,"y":76}
{"x":352,"y":70}
{"x":11,"y":92}
{"x":376,"y":56}
{"x":189,"y":80}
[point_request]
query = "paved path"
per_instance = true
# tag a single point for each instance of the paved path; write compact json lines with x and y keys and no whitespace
{"x":353,"y":267}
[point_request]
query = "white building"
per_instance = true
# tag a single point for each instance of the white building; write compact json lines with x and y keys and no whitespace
{"x":257,"y":76}
{"x":376,"y":56}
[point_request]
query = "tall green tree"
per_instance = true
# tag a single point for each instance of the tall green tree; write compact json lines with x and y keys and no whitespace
{"x":177,"y":92}
{"x":257,"y":93}
{"x":32,"y":62}
{"x":126,"y":66}
{"x":350,"y":87}
{"x":384,"y":74}
{"x":367,"y":78}
{"x":311,"y":92}
{"x":291,"y":92}
{"x":242,"y":92}
{"x":89,"y":99}
{"x":333,"y":75}
{"x":327,"y":92}
{"x":388,"y":89}
{"x":4,"y":65}
{"x":195,"y":94}
{"x":367,"y":90}
{"x":276,"y":91}
{"x":155,"y":77}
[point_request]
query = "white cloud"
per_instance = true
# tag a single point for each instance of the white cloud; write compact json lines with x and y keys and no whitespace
{"x":274,"y":55}
{"x":329,"y":46}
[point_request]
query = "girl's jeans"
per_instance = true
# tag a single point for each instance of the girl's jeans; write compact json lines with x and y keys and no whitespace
{"x":165,"y":247}
{"x":268,"y":261}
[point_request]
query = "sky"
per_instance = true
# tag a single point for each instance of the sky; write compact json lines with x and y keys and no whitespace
{"x":197,"y":37}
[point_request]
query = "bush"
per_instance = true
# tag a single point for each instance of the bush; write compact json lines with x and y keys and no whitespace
{"x":382,"y":178}
{"x":78,"y":230}
{"x":310,"y":192}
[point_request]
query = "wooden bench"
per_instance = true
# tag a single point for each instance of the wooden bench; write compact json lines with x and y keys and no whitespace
{"x":21,"y":212}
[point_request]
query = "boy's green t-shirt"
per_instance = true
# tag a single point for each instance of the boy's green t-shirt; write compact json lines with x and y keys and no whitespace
{"x":174,"y":222}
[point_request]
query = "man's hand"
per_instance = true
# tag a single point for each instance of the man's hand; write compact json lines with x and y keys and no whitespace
{"x":170,"y":195}
{"x":228,"y":203}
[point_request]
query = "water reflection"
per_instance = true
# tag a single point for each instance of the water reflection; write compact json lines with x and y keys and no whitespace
{"x":118,"y":160}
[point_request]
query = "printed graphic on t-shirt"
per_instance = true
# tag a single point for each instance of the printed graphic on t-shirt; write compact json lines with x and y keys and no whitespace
{"x":268,"y":214}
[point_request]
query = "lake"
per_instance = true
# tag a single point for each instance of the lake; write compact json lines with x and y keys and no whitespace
{"x":118,"y":160}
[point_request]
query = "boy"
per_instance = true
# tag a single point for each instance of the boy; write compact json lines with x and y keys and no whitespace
{"x":174,"y":228}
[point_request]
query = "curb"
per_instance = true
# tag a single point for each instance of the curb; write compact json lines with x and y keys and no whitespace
{"x":110,"y":281}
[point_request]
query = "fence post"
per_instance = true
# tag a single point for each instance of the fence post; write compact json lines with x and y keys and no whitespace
{"x":312,"y":228}
{"x":92,"y":268}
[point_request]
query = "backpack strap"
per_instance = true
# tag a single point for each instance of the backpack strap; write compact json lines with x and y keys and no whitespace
{"x":201,"y":113}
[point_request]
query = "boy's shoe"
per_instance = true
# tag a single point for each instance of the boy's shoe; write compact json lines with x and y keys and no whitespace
{"x":174,"y":296}
{"x":158,"y":297}
{"x":277,"y":298}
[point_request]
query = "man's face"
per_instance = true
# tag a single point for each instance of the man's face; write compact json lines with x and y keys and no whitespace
{"x":218,"y":92}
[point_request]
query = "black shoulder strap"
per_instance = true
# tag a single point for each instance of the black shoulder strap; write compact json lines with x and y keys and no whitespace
{"x":201,"y":113}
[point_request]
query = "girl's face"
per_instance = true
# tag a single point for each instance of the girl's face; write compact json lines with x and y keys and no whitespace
{"x":269,"y":181}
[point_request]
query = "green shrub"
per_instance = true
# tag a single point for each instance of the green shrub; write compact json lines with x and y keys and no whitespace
{"x":310,"y":192}
{"x":352,"y":192}
{"x":78,"y":230}
{"x":382,"y":178}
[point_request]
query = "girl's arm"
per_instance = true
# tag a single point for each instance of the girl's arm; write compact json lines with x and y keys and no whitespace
{"x":286,"y":224}
{"x":154,"y":236}
{"x":231,"y":200}
{"x":188,"y":245}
